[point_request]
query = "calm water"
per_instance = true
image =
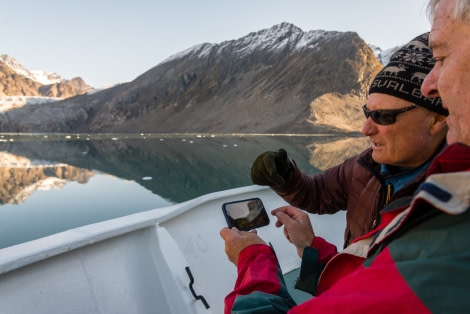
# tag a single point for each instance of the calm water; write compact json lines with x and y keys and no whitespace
{"x":51,"y":183}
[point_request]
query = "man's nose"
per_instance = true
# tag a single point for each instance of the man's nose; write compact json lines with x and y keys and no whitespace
{"x":429,"y":86}
{"x":369,"y":128}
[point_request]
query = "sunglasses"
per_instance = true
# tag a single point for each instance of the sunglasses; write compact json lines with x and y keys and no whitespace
{"x":385,"y":117}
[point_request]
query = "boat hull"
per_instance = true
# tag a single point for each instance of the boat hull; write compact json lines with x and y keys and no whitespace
{"x":139,"y":263}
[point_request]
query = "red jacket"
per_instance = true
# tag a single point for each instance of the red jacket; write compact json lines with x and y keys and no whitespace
{"x":416,"y":261}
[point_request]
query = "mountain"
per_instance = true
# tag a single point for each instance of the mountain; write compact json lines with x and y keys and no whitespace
{"x":277,"y":80}
{"x":13,"y":84}
{"x":384,"y":55}
{"x":44,"y":78}
{"x":16,"y":80}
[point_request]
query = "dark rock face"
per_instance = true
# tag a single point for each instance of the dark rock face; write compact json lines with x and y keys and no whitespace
{"x":65,"y":89}
{"x":278,"y":80}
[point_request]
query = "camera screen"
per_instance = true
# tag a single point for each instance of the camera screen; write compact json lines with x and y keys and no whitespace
{"x":246,"y":214}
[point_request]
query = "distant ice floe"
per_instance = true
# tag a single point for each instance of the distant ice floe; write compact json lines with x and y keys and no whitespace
{"x":147,"y":178}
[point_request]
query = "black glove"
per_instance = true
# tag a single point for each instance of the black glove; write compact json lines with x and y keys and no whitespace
{"x":271,"y":168}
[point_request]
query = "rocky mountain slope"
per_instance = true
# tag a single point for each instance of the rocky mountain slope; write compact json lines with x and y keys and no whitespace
{"x":15,"y":80}
{"x":277,"y":80}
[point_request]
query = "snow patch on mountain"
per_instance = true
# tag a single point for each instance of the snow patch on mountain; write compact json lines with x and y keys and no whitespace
{"x":384,"y":55}
{"x":277,"y":37}
{"x":44,"y":78}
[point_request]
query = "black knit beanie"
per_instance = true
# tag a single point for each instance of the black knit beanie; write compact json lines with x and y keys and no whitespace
{"x":403,"y":75}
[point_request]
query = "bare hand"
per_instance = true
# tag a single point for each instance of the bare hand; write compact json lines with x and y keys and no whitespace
{"x":297,"y":227}
{"x":236,"y":241}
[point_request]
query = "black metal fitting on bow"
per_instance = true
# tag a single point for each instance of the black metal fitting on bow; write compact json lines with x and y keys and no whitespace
{"x":191,"y":281}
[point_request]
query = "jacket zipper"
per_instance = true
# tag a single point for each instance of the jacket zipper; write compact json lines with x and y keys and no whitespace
{"x":387,"y":200}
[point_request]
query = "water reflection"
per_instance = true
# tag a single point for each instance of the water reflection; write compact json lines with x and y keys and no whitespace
{"x":21,"y":177}
{"x":177,"y":168}
{"x":171,"y":168}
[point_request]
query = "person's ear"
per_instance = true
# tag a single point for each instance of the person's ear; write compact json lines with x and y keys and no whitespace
{"x":439,"y":124}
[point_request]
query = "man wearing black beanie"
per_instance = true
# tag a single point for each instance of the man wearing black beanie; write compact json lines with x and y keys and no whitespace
{"x":422,"y":240}
{"x":406,"y":131}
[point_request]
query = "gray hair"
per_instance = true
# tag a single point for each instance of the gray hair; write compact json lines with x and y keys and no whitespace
{"x":461,"y":10}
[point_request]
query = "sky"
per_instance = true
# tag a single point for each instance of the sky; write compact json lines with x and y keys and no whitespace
{"x":106,"y":42}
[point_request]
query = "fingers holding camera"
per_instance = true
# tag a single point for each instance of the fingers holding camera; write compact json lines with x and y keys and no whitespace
{"x":236,"y":241}
{"x":297,"y":227}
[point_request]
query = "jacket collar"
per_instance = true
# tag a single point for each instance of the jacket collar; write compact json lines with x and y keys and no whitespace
{"x":455,"y":158}
{"x":448,"y":193}
{"x":446,"y":189}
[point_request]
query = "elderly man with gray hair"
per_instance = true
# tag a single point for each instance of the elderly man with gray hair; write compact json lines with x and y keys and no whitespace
{"x":418,"y":259}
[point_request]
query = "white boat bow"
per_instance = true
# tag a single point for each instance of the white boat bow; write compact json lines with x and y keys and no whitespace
{"x":139,"y":263}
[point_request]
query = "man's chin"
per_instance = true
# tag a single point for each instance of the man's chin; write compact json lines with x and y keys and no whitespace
{"x":379,"y":158}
